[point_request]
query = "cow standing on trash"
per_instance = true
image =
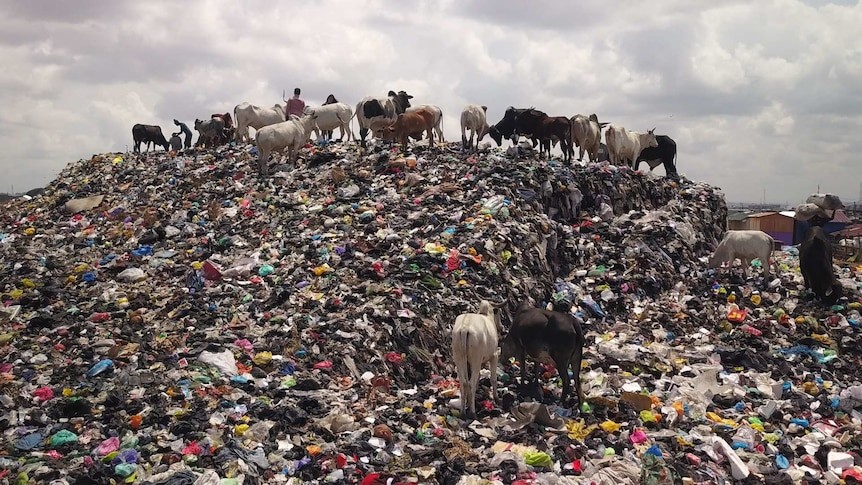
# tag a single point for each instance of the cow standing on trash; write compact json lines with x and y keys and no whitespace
{"x":291,"y":134}
{"x":376,"y":114}
{"x":745,"y":245}
{"x":250,"y":116}
{"x":210,"y":132}
{"x":149,"y":134}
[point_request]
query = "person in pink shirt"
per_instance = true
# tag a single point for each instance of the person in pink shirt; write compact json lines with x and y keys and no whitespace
{"x":295,"y":106}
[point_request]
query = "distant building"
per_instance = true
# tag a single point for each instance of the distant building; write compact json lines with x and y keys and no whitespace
{"x":782,"y":226}
{"x":838,"y":223}
{"x":776,"y":224}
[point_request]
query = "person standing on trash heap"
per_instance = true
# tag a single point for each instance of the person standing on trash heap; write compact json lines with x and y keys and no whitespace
{"x":186,"y":132}
{"x":295,"y":106}
{"x":176,"y":142}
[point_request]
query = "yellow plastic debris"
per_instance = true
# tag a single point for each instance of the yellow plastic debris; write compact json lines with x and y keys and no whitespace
{"x":262,"y":358}
{"x":610,"y":426}
{"x":578,"y":430}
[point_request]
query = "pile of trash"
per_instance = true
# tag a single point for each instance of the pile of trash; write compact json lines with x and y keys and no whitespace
{"x":172,"y":319}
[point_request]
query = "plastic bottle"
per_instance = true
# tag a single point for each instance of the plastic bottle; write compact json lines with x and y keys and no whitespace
{"x":100,"y":367}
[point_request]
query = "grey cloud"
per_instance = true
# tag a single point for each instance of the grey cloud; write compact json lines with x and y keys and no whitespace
{"x":67,"y":12}
{"x":98,"y":67}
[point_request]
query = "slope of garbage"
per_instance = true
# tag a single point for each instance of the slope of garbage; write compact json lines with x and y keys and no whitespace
{"x":172,"y":319}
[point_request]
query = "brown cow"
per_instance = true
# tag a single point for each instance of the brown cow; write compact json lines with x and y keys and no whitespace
{"x":546,"y":128}
{"x":226,"y":117}
{"x":412,"y":124}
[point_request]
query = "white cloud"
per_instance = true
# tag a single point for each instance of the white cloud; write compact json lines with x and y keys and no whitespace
{"x":757,"y":95}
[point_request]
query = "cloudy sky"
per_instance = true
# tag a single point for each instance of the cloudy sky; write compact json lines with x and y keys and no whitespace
{"x":763,"y":95}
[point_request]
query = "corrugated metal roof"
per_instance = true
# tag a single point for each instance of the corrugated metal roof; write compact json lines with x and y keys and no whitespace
{"x":852,"y":231}
{"x":762,"y":214}
{"x":841,"y":217}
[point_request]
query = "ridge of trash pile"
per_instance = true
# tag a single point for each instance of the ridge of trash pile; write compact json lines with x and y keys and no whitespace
{"x":170,"y":318}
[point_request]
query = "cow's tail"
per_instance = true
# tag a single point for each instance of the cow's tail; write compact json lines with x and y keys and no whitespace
{"x":441,"y":126}
{"x":463,"y":350}
{"x":236,"y":135}
{"x":770,"y":262}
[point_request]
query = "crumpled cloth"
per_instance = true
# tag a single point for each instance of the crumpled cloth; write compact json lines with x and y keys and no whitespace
{"x":614,"y":471}
{"x":533,"y":412}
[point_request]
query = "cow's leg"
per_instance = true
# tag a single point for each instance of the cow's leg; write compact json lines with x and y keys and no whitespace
{"x":475,"y":371}
{"x":430,"y":137}
{"x":495,"y":357}
{"x":561,"y":360}
{"x":522,"y":359}
{"x":463,"y":369}
{"x":363,"y":132}
{"x":576,"y":360}
{"x":263,"y":164}
{"x":293,"y":154}
{"x":464,"y":137}
{"x":581,"y":153}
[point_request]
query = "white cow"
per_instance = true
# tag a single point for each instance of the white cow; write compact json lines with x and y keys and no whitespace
{"x":473,"y":118}
{"x":474,"y":342}
{"x":375,"y":114}
{"x":587,"y":135}
{"x":438,"y":117}
{"x":291,"y":134}
{"x":248,"y":115}
{"x":745,"y":245}
{"x":626,"y":145}
{"x":330,"y":117}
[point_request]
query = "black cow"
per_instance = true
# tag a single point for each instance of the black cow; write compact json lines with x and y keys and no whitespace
{"x":372,"y":113}
{"x":815,"y":262}
{"x":664,"y":153}
{"x":547,"y":129}
{"x":510,"y":128}
{"x":148,"y":134}
{"x":548,"y":337}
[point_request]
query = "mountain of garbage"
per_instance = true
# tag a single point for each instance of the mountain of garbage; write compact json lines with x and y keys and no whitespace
{"x":169,"y":318}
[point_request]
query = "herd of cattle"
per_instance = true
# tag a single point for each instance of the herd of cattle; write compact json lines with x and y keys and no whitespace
{"x":557,"y":337}
{"x":393,"y":119}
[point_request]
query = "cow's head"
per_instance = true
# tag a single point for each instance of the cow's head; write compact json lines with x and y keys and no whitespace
{"x":651,"y":141}
{"x":495,"y":134}
{"x":504,"y":127}
{"x":387,"y":133}
{"x":401,"y":100}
